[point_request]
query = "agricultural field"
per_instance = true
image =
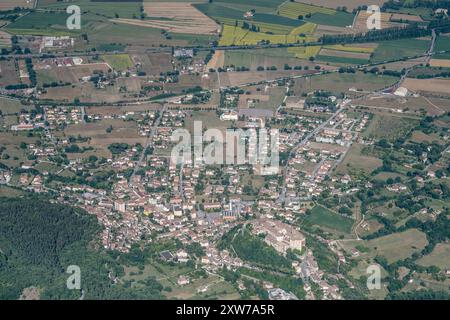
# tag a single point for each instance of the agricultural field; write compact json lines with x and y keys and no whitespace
{"x":119,"y":62}
{"x":388,"y":127}
{"x":305,"y":52}
{"x":339,"y":83}
{"x":8,"y":73}
{"x":237,"y":36}
{"x":178,"y":17}
{"x":355,"y":161}
{"x":445,"y":63}
{"x":346,"y":54}
{"x":398,"y":246}
{"x":393,"y":50}
{"x":360,"y":24}
{"x":123,"y":132}
{"x":295,"y":9}
{"x":277,"y":57}
{"x":71,"y":74}
{"x":5,"y":39}
{"x":324,"y":218}
{"x":429,"y":85}
{"x":12,"y":106}
{"x":439,"y":257}
{"x":153,"y":64}
{"x":349,"y":4}
{"x":122,"y":9}
{"x":11,"y":4}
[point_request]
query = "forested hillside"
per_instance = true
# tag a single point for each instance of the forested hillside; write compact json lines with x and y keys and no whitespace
{"x":39,"y":240}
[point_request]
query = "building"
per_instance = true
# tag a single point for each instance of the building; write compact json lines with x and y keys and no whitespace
{"x":279,"y":235}
{"x":119,"y":206}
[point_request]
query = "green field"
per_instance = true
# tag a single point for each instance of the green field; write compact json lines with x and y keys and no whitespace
{"x":338,"y":82}
{"x":398,"y":246}
{"x":107,"y":9}
{"x":442,"y":44}
{"x":396,"y":49}
{"x":323,"y":217}
{"x":119,"y":62}
{"x":237,"y":36}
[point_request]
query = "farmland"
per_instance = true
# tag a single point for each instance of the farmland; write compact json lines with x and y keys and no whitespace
{"x":429,"y":85}
{"x":343,"y":82}
{"x":178,"y":18}
{"x":11,"y":4}
{"x":294,"y":9}
{"x":355,"y":161}
{"x":393,"y":247}
{"x":390,"y":50}
{"x":237,"y":36}
{"x":439,"y":257}
{"x":388,"y":127}
{"x":119,"y":62}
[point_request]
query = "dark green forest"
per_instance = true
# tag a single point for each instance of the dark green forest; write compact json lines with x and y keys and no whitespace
{"x":39,"y":240}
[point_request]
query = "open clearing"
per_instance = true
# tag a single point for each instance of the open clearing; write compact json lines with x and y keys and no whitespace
{"x":439,"y":257}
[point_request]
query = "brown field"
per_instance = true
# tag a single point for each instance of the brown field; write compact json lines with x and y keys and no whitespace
{"x":324,"y":29}
{"x":153,"y":64}
{"x":410,"y":105}
{"x":72,"y":74}
{"x":11,"y":4}
{"x":439,"y":257}
{"x":354,"y":160}
{"x":8,"y":74}
{"x":350,"y":4}
{"x":217,"y":60}
{"x":5,"y":39}
{"x":360,"y":24}
{"x":409,"y":17}
{"x":440,"y":63}
{"x":239,"y":78}
{"x":123,"y":132}
{"x":85,"y":92}
{"x":399,"y":65}
{"x":132,"y":84}
{"x":176,"y":17}
{"x":344,"y":54}
{"x":419,"y":136}
{"x":428,"y":85}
